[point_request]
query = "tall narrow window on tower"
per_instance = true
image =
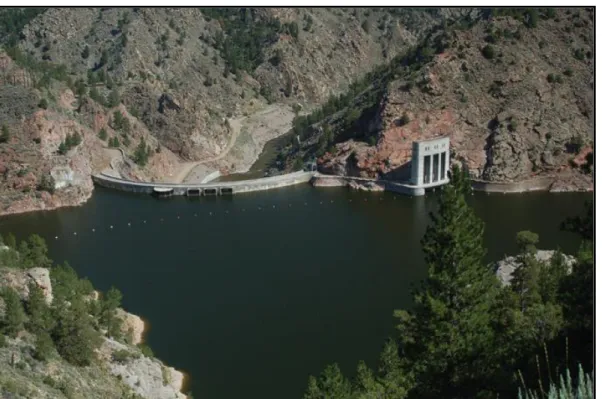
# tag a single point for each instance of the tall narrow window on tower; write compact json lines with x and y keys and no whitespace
{"x":443,"y":165}
{"x":427,"y":170}
{"x":435,"y":168}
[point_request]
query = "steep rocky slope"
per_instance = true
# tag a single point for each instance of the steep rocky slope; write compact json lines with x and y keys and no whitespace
{"x":120,"y":369}
{"x":193,"y":83}
{"x":183,"y":72}
{"x":515,"y":97}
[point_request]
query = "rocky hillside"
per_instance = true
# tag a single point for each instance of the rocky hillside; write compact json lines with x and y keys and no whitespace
{"x":193,"y":85}
{"x":512,"y":88}
{"x":170,"y":94}
{"x":61,"y":339}
{"x":184,"y":72}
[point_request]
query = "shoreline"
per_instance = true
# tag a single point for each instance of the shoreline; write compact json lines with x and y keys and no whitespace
{"x":140,"y":338}
{"x":528,"y":185}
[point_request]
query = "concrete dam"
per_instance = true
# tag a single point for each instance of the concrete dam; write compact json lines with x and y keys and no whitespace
{"x":204,"y":189}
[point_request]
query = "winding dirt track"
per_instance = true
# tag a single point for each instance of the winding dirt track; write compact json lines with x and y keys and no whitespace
{"x":187,"y":167}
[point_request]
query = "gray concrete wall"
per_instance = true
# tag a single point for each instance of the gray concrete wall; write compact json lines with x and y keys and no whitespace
{"x":244,"y":186}
{"x":540,"y":184}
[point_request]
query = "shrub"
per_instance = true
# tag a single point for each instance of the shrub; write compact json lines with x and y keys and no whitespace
{"x":44,"y":346}
{"x":365,"y":26}
{"x":43,"y":103}
{"x":404,"y":120}
{"x":146,"y":350}
{"x":113,"y":99}
{"x":5,"y":134}
{"x":102,"y":134}
{"x":512,"y":125}
{"x":86,"y":52}
{"x":488,"y":52}
{"x":122,"y":355}
{"x":48,"y":380}
{"x":47,"y":183}
{"x":568,"y":72}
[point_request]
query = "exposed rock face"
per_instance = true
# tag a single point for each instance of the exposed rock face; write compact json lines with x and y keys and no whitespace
{"x":174,"y":73}
{"x":63,"y":176}
{"x":366,"y":186}
{"x":505,"y":267}
{"x":178,"y":90}
{"x":133,"y":325}
{"x":19,"y":280}
{"x":147,"y":377}
{"x":524,"y":112}
{"x":34,"y":175}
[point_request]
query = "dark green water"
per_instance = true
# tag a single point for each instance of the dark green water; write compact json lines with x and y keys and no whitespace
{"x":251,"y":302}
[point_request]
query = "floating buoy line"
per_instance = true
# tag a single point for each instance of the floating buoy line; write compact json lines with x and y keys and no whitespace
{"x":226,"y":211}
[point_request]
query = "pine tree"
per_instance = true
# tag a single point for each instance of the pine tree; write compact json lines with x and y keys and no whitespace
{"x":113,"y":99}
{"x":44,"y":346}
{"x":74,"y":336}
{"x":331,"y":384}
{"x":141,"y":154}
{"x":108,"y":316}
{"x":449,"y":333}
{"x":576,"y":291}
{"x":40,"y":318}
{"x":526,"y":276}
{"x":14,"y":316}
{"x":37,"y":252}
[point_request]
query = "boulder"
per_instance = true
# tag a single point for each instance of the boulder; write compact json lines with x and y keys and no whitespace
{"x":19,"y":280}
{"x":505,"y":267}
{"x":148,"y":377}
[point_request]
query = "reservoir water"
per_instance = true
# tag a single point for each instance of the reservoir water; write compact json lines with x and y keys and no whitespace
{"x":251,"y":294}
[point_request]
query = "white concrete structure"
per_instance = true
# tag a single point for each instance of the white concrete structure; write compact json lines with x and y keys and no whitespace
{"x":430,"y":162}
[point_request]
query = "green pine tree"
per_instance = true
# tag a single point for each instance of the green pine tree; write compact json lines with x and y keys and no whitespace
{"x":14,"y":315}
{"x":141,"y":153}
{"x":450,"y":332}
{"x":74,"y":336}
{"x":63,"y":148}
{"x":44,"y":346}
{"x":108,"y":316}
{"x":331,"y":384}
{"x":40,"y":317}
